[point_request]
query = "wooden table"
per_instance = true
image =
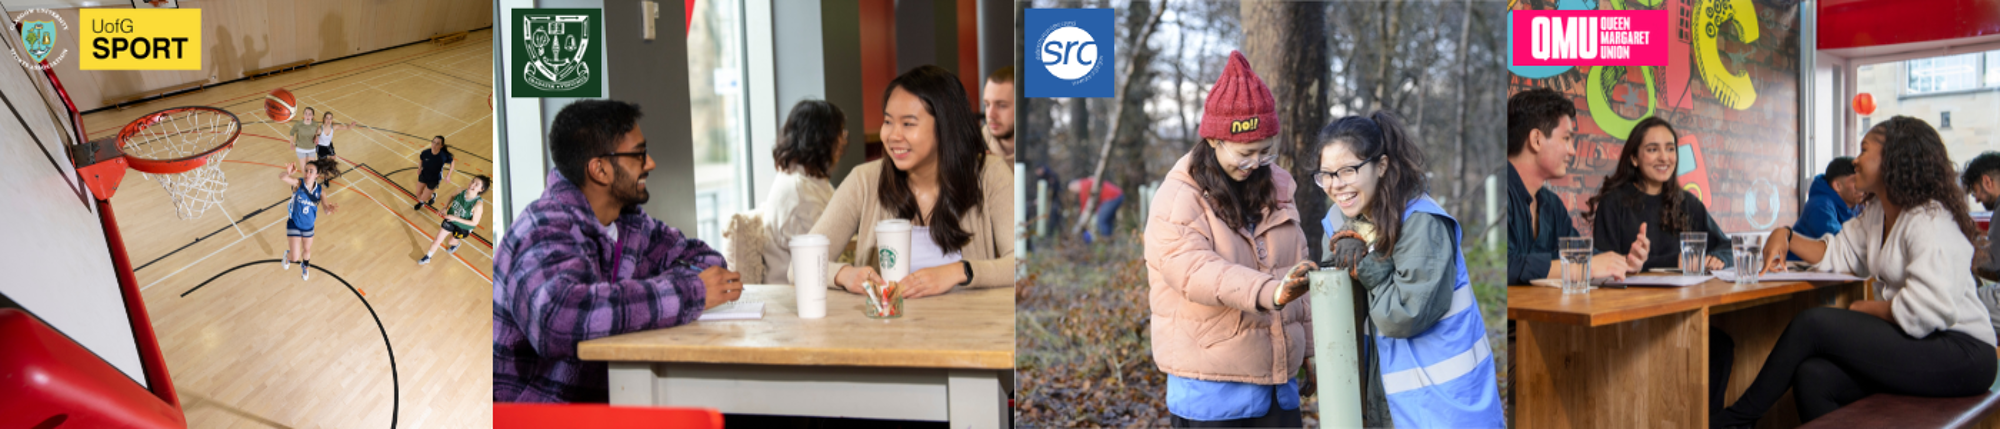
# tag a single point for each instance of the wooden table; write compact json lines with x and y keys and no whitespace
{"x":1638,"y":357}
{"x":943,"y":360}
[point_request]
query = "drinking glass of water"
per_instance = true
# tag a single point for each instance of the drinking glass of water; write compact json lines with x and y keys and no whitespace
{"x":1749,"y":249}
{"x":1694,"y":253}
{"x":1575,"y":264}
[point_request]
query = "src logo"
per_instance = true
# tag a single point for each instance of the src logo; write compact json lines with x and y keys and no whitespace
{"x":1075,"y":49}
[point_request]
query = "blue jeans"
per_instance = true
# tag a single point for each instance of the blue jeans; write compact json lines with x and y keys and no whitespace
{"x":1107,"y":216}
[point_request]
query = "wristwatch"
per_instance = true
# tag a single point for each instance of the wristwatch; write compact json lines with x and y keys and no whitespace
{"x":1276,"y":303}
{"x":968,"y":273}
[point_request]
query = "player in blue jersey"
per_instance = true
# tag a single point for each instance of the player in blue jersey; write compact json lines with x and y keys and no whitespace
{"x":307,"y":201}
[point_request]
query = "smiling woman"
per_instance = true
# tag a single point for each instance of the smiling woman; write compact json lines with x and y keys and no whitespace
{"x":939,"y":177}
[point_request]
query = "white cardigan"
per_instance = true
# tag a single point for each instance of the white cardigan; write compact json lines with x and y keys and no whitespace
{"x":1924,"y":269}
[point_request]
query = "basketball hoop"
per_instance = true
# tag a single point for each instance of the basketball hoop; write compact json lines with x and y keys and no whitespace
{"x":182,"y":148}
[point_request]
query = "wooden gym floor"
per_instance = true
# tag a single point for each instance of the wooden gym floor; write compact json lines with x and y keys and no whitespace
{"x":372,"y":339}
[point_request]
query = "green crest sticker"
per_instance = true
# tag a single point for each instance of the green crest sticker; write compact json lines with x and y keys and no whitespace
{"x":557,"y":53}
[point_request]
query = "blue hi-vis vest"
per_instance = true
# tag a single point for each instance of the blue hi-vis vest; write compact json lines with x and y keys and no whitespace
{"x":1444,"y":376}
{"x":305,"y":205}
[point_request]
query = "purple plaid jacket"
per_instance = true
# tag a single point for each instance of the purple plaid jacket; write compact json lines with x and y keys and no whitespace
{"x":554,"y":285}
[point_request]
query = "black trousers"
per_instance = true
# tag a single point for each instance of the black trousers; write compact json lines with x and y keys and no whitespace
{"x":1831,"y":357}
{"x":1275,"y":418}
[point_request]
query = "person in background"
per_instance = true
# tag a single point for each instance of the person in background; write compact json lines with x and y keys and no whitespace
{"x":1047,"y":175}
{"x":996,"y":103}
{"x":584,"y":261}
{"x":808,"y":145}
{"x":1541,"y":127}
{"x":1226,"y":268}
{"x":1833,"y":200}
{"x":1107,"y":205}
{"x":1404,"y":250}
{"x":1929,"y":334}
{"x":1982,"y":179}
{"x":934,"y":173}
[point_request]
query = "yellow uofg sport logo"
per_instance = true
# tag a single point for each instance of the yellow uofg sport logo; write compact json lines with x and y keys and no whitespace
{"x":140,"y":39}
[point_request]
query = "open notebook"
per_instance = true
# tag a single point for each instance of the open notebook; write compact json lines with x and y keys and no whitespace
{"x":734,"y":311}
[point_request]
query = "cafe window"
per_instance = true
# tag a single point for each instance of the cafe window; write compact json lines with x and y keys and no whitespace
{"x":718,"y":114}
{"x":1943,"y":74}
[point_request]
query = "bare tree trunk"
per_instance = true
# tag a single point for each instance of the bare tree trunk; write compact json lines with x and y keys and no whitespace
{"x":1286,"y":44}
{"x":1391,"y":31}
{"x":1458,"y":151}
{"x":1117,"y":110}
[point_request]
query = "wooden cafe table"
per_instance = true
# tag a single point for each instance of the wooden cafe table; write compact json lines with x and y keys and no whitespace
{"x":1638,"y":357}
{"x":942,"y":361}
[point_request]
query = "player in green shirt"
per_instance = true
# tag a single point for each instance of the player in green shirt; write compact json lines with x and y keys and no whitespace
{"x":460,"y":217}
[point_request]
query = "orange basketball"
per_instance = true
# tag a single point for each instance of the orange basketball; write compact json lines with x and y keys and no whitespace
{"x":279,"y":105}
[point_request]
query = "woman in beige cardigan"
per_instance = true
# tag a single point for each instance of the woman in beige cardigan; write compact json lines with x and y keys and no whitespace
{"x":938,"y":176}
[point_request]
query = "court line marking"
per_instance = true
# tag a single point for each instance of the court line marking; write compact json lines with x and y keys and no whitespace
{"x":231,"y":244}
{"x":425,"y":106}
{"x":420,"y":231}
{"x":395,"y":380}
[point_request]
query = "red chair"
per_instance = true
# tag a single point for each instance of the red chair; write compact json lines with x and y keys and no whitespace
{"x":522,"y":416}
{"x":46,"y":380}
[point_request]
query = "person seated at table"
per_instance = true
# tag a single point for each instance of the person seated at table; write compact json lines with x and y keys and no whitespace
{"x":1225,"y":268}
{"x":808,"y":145}
{"x":937,"y":175}
{"x":1929,"y":335}
{"x":584,"y":261}
{"x":1982,"y":180}
{"x":1541,"y":126}
{"x":1643,"y":197}
{"x":1420,"y":298}
{"x":1833,"y":200}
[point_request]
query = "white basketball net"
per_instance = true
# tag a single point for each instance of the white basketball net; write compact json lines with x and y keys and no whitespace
{"x":182,"y":134}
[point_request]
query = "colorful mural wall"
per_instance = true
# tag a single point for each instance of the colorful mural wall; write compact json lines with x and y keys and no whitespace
{"x":1731,"y":91}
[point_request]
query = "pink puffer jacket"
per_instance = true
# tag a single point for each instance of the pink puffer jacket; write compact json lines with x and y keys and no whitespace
{"x":1209,"y":282}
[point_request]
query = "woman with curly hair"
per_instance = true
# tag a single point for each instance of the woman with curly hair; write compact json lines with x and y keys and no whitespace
{"x":1928,"y":335}
{"x":1644,"y":197}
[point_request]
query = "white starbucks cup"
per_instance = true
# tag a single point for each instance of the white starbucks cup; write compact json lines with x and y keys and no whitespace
{"x":892,"y":243}
{"x":809,"y":274}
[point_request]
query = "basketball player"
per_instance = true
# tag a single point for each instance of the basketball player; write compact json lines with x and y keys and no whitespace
{"x":325,"y":135}
{"x":303,"y":132}
{"x":306,"y":202}
{"x":430,"y":161}
{"x":461,"y":216}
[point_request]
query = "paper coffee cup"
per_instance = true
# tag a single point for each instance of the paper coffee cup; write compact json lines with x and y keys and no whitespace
{"x":892,"y":254}
{"x":809,"y":274}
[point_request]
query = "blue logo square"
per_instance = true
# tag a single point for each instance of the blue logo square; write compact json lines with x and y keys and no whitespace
{"x":1070,"y":53}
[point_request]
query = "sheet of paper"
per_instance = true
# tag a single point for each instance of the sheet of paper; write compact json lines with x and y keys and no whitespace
{"x":1793,"y":276}
{"x":734,"y":311}
{"x":1664,"y":281}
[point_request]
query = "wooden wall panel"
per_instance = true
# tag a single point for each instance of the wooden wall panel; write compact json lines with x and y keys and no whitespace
{"x":243,"y":35}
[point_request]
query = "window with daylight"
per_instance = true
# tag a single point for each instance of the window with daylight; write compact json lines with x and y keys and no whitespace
{"x":1943,"y":74}
{"x":719,"y":116}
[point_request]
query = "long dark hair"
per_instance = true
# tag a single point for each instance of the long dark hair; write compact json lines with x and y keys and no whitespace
{"x":1915,"y":168}
{"x":1379,"y":139}
{"x":1672,"y":217}
{"x":961,"y":157}
{"x":1239,"y":204}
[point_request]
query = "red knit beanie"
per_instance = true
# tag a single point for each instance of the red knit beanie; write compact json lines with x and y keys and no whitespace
{"x":1240,"y":108}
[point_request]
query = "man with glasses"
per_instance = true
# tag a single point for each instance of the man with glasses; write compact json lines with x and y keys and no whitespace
{"x":585,"y":261}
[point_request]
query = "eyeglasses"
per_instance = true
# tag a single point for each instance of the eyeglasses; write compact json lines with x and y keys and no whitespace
{"x":638,"y":154}
{"x":1326,"y":179}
